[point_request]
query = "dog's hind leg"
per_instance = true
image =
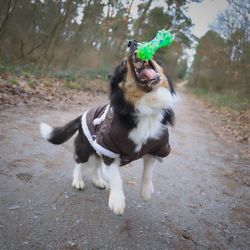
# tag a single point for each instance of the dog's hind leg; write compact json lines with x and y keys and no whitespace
{"x":83,"y":151}
{"x":97,"y":178}
{"x":77,"y":177}
{"x":147,"y":188}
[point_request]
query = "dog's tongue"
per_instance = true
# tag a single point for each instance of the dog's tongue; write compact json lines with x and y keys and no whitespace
{"x":147,"y":74}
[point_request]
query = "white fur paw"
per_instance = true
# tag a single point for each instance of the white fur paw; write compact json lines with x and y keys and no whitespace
{"x":78,"y":184}
{"x":100,"y":183}
{"x":146,"y":191}
{"x":117,"y":202}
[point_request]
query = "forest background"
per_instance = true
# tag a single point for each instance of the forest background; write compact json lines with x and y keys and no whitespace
{"x":77,"y":41}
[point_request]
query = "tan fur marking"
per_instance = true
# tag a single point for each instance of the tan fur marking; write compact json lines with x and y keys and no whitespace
{"x":164,"y":82}
{"x":131,"y":90}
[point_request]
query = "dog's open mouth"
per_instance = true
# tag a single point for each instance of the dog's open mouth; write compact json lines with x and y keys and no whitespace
{"x":144,"y":71}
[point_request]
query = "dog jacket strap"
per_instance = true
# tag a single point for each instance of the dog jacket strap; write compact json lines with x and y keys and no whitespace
{"x":99,"y":120}
{"x":100,"y":150}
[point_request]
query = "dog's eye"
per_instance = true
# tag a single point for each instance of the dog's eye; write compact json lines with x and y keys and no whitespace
{"x":129,"y":43}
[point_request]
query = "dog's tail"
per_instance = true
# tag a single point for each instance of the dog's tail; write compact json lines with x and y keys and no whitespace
{"x":59,"y":135}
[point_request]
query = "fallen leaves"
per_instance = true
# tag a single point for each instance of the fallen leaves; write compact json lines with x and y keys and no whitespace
{"x":31,"y":90}
{"x":233,"y":126}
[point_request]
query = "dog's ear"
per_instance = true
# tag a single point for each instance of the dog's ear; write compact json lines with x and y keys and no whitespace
{"x":171,"y":84}
{"x":168,"y":117}
{"x":120,"y":105}
{"x":162,"y":65}
{"x":119,"y":74}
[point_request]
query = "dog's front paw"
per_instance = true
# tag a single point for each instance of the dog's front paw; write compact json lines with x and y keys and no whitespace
{"x":78,"y":184}
{"x":117,"y":202}
{"x":100,"y":183}
{"x":147,"y":190}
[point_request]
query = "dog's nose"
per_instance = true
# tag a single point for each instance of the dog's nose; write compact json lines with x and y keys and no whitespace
{"x":132,"y":44}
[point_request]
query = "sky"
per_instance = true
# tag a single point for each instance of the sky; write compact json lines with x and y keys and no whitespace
{"x":203,"y":14}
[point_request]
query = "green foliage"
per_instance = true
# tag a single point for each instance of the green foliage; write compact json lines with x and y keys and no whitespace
{"x":76,"y":35}
{"x":67,"y":75}
{"x":217,"y":76}
{"x":2,"y":69}
{"x":30,"y":72}
{"x":99,"y":72}
{"x":87,"y":74}
{"x":32,"y":83}
{"x":208,"y":62}
{"x":80,"y":84}
{"x":220,"y":69}
{"x":21,"y":69}
{"x":231,"y":99}
{"x":173,"y":17}
{"x":13,"y":81}
{"x":181,"y":69}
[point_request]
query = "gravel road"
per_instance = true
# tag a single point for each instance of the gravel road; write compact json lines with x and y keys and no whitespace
{"x":201,"y":198}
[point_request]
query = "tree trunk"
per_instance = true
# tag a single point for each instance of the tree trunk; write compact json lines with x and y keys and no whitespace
{"x":76,"y":38}
{"x":125,"y":30}
{"x":54,"y":42}
{"x":8,"y":14}
{"x":53,"y":36}
{"x":141,"y":19}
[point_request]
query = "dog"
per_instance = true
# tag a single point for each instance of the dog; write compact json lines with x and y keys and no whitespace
{"x":133,"y":125}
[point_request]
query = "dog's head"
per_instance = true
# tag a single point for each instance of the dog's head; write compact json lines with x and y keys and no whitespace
{"x":145,"y":74}
{"x":133,"y":78}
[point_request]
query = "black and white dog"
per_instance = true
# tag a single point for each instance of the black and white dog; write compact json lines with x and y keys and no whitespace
{"x":132,"y":126}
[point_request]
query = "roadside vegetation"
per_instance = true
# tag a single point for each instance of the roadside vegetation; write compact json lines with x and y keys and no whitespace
{"x":33,"y":75}
{"x":85,"y":38}
{"x":49,"y":47}
{"x":220,"y":71}
{"x":231,"y":99}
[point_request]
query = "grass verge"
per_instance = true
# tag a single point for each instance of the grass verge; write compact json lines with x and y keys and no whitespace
{"x":28,"y":74}
{"x":229,"y":99}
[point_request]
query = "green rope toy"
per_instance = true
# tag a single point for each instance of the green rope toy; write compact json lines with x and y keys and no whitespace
{"x":146,"y":50}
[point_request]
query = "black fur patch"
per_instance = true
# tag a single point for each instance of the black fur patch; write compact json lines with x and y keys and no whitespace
{"x":123,"y":109}
{"x":171,"y":85}
{"x":118,"y":75}
{"x":62,"y":134}
{"x":170,"y":82}
{"x":168,"y":117}
{"x":108,"y":161}
{"x":83,"y":149}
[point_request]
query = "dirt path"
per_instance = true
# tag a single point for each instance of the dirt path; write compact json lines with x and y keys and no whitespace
{"x":201,"y":199}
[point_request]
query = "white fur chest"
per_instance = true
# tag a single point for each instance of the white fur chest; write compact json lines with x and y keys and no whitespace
{"x":149,"y":116}
{"x":149,"y":126}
